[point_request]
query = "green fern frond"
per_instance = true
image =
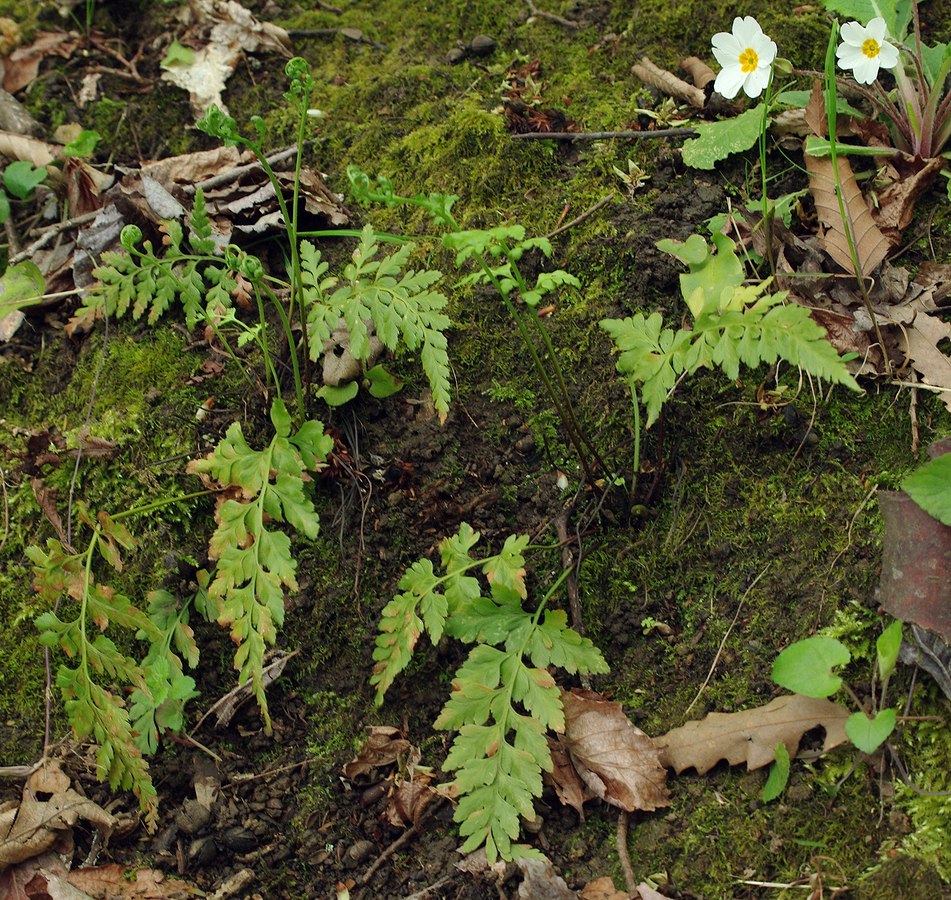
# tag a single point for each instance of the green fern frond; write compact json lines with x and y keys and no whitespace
{"x":254,"y":562}
{"x":504,"y":699}
{"x":400,"y":303}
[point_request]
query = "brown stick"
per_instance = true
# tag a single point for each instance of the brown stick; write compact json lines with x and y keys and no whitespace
{"x":603,"y":135}
{"x":624,"y":854}
{"x":404,"y":838}
{"x":578,"y":219}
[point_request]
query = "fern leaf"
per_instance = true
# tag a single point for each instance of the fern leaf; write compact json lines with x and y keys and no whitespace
{"x":404,"y":310}
{"x":399,"y":630}
{"x":255,"y":563}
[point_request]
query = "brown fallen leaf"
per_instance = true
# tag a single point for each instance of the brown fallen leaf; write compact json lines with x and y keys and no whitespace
{"x":384,"y":746}
{"x":224,"y":29}
{"x":22,"y":66}
{"x":121,"y":883}
{"x":601,"y":889}
{"x":541,"y":881}
{"x":921,"y":340}
{"x":616,"y":760}
{"x":752,"y":735}
{"x":896,"y":203}
{"x":32,"y":826}
{"x":871,"y":246}
{"x":564,"y":778}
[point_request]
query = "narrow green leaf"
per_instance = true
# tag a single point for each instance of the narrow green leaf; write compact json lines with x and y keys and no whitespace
{"x":887,"y":647}
{"x":778,"y":775}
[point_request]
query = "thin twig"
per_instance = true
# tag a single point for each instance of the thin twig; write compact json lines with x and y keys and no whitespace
{"x":558,"y":20}
{"x":578,"y":219}
{"x":568,"y":561}
{"x":6,"y":508}
{"x":624,"y":854}
{"x":235,"y":173}
{"x":426,"y":891}
{"x":603,"y":135}
{"x":736,"y":615}
{"x":48,"y":232}
{"x":404,"y":838}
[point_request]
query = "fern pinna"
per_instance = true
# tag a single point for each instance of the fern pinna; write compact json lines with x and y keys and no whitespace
{"x":504,"y":700}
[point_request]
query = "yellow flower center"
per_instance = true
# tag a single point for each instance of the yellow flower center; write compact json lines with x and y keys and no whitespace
{"x":749,"y":60}
{"x":871,"y":48}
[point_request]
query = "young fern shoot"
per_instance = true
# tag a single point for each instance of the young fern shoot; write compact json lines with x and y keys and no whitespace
{"x":504,"y":700}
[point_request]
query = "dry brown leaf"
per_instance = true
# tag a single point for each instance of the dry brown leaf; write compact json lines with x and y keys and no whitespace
{"x":23,"y":65}
{"x":616,"y":760}
{"x":541,"y":881}
{"x":871,"y":245}
{"x":406,"y":804}
{"x":564,"y":778}
{"x":32,"y":827}
{"x":752,"y":735}
{"x":921,"y":344}
{"x":384,"y":746}
{"x":115,"y":881}
{"x":601,"y":889}
{"x":896,"y":203}
{"x":227,"y":30}
{"x":815,"y":111}
{"x":19,"y":146}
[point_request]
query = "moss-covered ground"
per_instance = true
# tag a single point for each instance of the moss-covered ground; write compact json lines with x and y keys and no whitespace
{"x":755,"y":524}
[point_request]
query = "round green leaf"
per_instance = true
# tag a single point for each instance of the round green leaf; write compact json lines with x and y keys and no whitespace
{"x":869,"y":734}
{"x":806,"y":666}
{"x":20,"y":178}
{"x":382,"y":383}
{"x":930,"y":487}
{"x":338,"y":395}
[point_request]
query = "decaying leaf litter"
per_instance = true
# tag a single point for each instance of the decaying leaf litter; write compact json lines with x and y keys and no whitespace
{"x":149,"y":197}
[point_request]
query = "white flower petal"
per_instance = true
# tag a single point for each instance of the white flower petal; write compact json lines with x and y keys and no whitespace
{"x":729,"y":81}
{"x":866,"y":71}
{"x":876,"y":29}
{"x":746,"y":30}
{"x":727,"y":43}
{"x":888,"y":56}
{"x":849,"y":57}
{"x":756,"y":81}
{"x":853,"y":34}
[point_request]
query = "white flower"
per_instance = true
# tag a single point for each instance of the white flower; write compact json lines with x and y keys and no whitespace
{"x":864,"y":50}
{"x":746,"y":57}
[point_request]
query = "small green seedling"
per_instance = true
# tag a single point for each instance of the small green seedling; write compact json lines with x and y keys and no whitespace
{"x":807,"y":667}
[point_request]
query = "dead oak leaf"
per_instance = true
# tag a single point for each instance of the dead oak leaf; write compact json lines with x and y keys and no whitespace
{"x":616,"y":760}
{"x":383,"y":747}
{"x":752,"y":735}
